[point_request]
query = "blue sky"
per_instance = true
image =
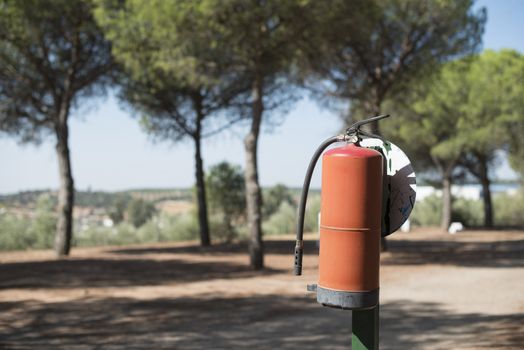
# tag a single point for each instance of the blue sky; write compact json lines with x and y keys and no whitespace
{"x":110,"y":152}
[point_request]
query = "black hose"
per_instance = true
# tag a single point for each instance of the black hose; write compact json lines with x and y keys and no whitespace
{"x":299,"y":247}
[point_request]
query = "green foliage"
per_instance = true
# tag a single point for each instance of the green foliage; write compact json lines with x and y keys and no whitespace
{"x":468,"y":211}
{"x":427,"y":212}
{"x":221,"y":230}
{"x":174,"y":72}
{"x":463,"y":114}
{"x":51,"y":54}
{"x":37,"y":232}
{"x":139,"y":212}
{"x":509,"y":209}
{"x":14,"y":233}
{"x":497,"y":116}
{"x":117,"y":210}
{"x":121,"y":234}
{"x":493,"y":97}
{"x":312,"y":209}
{"x":469,"y":106}
{"x":22,"y":198}
{"x":160,"y":228}
{"x":372,"y":50}
{"x":273,"y":198}
{"x":426,"y":127}
{"x":43,"y":226}
{"x":98,"y":199}
{"x":180,"y":227}
{"x":226,"y":193}
{"x":29,"y":233}
{"x":284,"y":220}
{"x":492,"y":109}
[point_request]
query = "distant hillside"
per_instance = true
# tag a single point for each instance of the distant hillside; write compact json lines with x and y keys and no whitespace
{"x":104,"y":199}
{"x":97,"y":199}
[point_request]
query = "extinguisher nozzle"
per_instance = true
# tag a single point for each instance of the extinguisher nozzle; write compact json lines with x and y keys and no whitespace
{"x":299,"y":251}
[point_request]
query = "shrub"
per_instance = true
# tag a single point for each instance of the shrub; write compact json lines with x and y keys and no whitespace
{"x":427,"y":212}
{"x":226,"y":194}
{"x":14,"y":233}
{"x":312,"y":210}
{"x":121,"y":234}
{"x":273,"y":197}
{"x":29,"y":233}
{"x":469,"y":212}
{"x":117,"y":210}
{"x":160,"y":228}
{"x":43,"y":226}
{"x":282,"y":221}
{"x":181,"y":227}
{"x":509,"y":209}
{"x":139,"y":212}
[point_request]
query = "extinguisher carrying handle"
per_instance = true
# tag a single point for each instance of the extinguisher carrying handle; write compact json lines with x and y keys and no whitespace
{"x":299,"y":247}
{"x":355,"y":128}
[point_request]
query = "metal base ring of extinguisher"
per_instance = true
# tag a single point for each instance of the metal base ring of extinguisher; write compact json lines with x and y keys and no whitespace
{"x":347,"y":300}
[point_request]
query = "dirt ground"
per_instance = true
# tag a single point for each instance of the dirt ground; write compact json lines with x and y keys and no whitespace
{"x":438,"y":291}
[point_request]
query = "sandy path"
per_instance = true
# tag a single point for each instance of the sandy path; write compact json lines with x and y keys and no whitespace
{"x":437,"y":292}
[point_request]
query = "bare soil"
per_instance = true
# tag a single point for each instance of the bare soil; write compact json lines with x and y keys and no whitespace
{"x":438,"y":291}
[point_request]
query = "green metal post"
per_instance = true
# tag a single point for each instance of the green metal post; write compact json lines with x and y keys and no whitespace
{"x":365,"y":329}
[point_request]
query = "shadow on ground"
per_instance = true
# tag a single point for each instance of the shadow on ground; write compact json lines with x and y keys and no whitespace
{"x":258,"y":322}
{"x":509,"y":253}
{"x":97,"y":272}
{"x":286,"y":247}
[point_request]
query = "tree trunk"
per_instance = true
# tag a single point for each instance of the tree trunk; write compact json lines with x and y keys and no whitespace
{"x":446,"y":202}
{"x":478,"y":166}
{"x":253,"y":193}
{"x":64,"y":230}
{"x":486,"y":193}
{"x":200,"y":184}
{"x":230,"y":230}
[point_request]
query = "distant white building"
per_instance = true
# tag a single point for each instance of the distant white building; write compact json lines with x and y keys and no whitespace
{"x":107,"y":222}
{"x":472,"y":192}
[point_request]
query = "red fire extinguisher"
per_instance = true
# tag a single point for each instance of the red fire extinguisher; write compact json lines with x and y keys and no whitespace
{"x":351,"y":223}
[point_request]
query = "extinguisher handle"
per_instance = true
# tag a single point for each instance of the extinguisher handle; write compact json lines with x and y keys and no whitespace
{"x":299,"y":247}
{"x":355,"y":128}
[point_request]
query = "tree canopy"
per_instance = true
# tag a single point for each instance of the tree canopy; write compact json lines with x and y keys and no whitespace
{"x":227,"y":194}
{"x":373,"y":50}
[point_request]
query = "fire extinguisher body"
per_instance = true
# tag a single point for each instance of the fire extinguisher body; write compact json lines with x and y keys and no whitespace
{"x":350,"y":227}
